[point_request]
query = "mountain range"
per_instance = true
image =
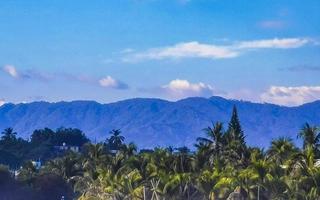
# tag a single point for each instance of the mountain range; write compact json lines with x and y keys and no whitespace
{"x":156,"y":122}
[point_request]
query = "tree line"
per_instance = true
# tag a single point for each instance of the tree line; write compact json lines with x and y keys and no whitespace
{"x":15,"y":151}
{"x":223,"y":166}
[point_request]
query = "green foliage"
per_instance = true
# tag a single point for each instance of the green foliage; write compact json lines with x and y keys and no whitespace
{"x":235,"y":132}
{"x":311,"y":137}
{"x":222,"y":167}
{"x":15,"y":151}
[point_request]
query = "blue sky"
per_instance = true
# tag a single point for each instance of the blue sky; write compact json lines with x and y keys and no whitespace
{"x":262,"y":51}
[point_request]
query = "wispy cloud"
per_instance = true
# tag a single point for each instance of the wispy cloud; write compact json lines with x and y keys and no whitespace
{"x":109,"y":82}
{"x":291,"y":96}
{"x":212,"y":51}
{"x":12,"y":71}
{"x":272,"y":24}
{"x":178,"y":88}
{"x":183,"y":50}
{"x":302,"y":68}
{"x":276,"y":43}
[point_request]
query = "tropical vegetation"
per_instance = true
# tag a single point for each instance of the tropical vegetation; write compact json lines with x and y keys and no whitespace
{"x":220,"y":166}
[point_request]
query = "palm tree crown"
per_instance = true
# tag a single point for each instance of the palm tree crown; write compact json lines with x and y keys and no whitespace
{"x":116,"y":140}
{"x":310,"y":136}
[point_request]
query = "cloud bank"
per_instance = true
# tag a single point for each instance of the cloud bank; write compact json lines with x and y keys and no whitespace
{"x":280,"y":95}
{"x":179,"y":88}
{"x":291,"y":96}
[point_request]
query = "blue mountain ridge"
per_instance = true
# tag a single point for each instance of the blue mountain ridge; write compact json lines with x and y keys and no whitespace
{"x":156,"y":122}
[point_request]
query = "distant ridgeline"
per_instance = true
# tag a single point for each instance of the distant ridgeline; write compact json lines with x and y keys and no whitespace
{"x":155,"y":122}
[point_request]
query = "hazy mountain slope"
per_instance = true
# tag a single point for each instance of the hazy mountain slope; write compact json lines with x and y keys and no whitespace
{"x":153,"y":122}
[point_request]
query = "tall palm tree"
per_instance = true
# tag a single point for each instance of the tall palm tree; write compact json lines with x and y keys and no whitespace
{"x":214,"y":137}
{"x":310,"y":136}
{"x":116,"y":140}
{"x":212,"y":145}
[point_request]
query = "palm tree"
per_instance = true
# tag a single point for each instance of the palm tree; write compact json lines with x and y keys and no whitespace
{"x":179,"y":186}
{"x":211,"y":146}
{"x":116,"y":139}
{"x":131,"y":185}
{"x":129,"y":150}
{"x":281,"y":149}
{"x":306,"y":174}
{"x":69,"y":167}
{"x":94,"y":156}
{"x":182,"y":160}
{"x":222,"y":167}
{"x":237,"y":153}
{"x":227,"y":182}
{"x":215,"y":137}
{"x":8,"y":134}
{"x":310,"y":136}
{"x":205,"y":182}
{"x":126,"y":184}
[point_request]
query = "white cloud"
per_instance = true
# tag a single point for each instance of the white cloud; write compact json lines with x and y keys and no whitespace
{"x":11,"y":70}
{"x":211,"y":51}
{"x":182,"y":88}
{"x":184,"y":50}
{"x":109,"y":82}
{"x":286,"y":43}
{"x":291,"y":96}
